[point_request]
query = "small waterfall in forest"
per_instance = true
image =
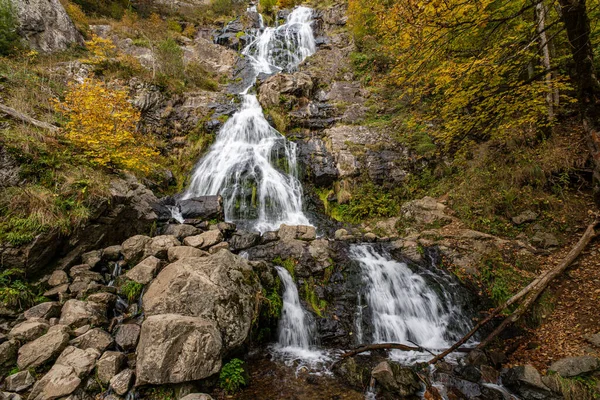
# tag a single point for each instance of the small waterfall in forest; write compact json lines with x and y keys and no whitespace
{"x":404,"y":308}
{"x":251,"y":165}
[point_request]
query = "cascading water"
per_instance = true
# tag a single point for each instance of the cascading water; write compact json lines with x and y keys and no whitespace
{"x":251,"y":165}
{"x":403,"y":308}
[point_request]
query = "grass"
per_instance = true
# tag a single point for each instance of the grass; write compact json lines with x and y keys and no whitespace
{"x":131,"y":290}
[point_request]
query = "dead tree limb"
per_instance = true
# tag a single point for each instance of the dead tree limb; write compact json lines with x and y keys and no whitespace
{"x":380,"y":346}
{"x":12,"y":113}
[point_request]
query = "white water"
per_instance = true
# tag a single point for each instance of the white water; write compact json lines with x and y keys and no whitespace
{"x":403,"y":308}
{"x":251,"y":165}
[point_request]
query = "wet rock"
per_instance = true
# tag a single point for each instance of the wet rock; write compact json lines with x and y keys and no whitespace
{"x":19,"y":382}
{"x":206,"y":208}
{"x":397,"y":379}
{"x":112,"y":253}
{"x":469,"y":372}
{"x":82,"y":361}
{"x":45,"y":310}
{"x":109,"y":365}
{"x":60,"y":381}
{"x":28,"y":330}
{"x":300,"y":232}
{"x":318,"y":162}
{"x":145,"y":271}
{"x":121,"y":382}
{"x":175,"y":348}
{"x":525,"y":216}
{"x":181,"y":231}
{"x":127,"y":336}
{"x":220,"y":287}
{"x":76,"y":313}
{"x":95,"y":339}
{"x":526,"y":381}
{"x":573,"y":366}
{"x":204,"y":240}
{"x":58,"y":278}
{"x":356,"y":375}
{"x":269,"y":237}
{"x":46,"y":26}
{"x":298,"y":84}
{"x":44,"y":348}
{"x":243,"y":240}
{"x":92,"y":258}
{"x":133,"y":248}
{"x":179,"y":252}
{"x":226,"y":228}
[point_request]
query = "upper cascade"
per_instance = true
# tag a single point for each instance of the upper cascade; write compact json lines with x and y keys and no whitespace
{"x":251,"y":165}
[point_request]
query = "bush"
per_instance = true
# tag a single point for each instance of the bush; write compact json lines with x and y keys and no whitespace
{"x":232,"y":376}
{"x":15,"y":293}
{"x":131,"y":290}
{"x":170,"y":59}
{"x":9,"y":38}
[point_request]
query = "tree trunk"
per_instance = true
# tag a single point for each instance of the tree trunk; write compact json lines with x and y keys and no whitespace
{"x":540,"y":15}
{"x":577,"y":24}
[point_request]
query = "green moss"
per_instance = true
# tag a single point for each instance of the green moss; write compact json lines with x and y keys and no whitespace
{"x":289,"y":264}
{"x":131,"y":290}
{"x":318,"y":305}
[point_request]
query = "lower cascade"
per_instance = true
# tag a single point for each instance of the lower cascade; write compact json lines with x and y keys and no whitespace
{"x":403,"y":308}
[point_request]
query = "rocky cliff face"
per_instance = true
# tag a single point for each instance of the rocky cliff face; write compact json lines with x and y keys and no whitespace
{"x":45,"y":25}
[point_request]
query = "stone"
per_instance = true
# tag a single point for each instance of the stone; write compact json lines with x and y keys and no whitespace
{"x":425,"y":211}
{"x":121,"y":382}
{"x":44,"y":348}
{"x":574,"y":366}
{"x":204,"y":240}
{"x":19,"y":382}
{"x":544,"y":240}
{"x":58,"y":278}
{"x":159,"y":246}
{"x":340,"y":234}
{"x":127,"y":336}
{"x":221,"y":288}
{"x":109,"y":365}
{"x":298,"y":84}
{"x":397,"y":379}
{"x":525,"y":216}
{"x":227,"y":228}
{"x":81,"y":330}
{"x":242,"y":240}
{"x":218,"y":247}
{"x":526,"y":381}
{"x":145,"y":271}
{"x":133,"y":248}
{"x":59,"y":382}
{"x":46,"y":26}
{"x":112,"y":253}
{"x":92,"y":258}
{"x":45,"y":310}
{"x":76,"y":313}
{"x":370,"y":237}
{"x":197,"y":396}
{"x":95,"y":339}
{"x":57,"y":290}
{"x":353,"y":374}
{"x":319,"y":162}
{"x":175,"y":348}
{"x":300,"y":232}
{"x":82,"y":361}
{"x":269,"y":237}
{"x":594,"y":339}
{"x":179,"y":252}
{"x":181,"y":231}
{"x":28,"y":330}
{"x":107,"y":299}
{"x":8,"y":353}
{"x":205,"y":207}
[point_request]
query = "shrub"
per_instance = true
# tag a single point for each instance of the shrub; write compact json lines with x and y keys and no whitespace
{"x":267,"y":6}
{"x":170,"y":59}
{"x":77,"y":16}
{"x":232,"y":376}
{"x":222,"y":7}
{"x":15,"y":292}
{"x":131,"y":290}
{"x":101,"y":123}
{"x":197,"y":77}
{"x":9,"y":38}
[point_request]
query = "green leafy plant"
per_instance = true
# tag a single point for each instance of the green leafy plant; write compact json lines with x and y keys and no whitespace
{"x":15,"y":292}
{"x":9,"y":38}
{"x":131,"y":290}
{"x":232,"y":376}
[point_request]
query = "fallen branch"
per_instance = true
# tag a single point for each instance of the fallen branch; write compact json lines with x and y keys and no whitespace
{"x":381,"y":346}
{"x":12,"y":113}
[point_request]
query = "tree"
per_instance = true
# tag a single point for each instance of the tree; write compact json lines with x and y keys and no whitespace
{"x":101,"y":123}
{"x":9,"y":38}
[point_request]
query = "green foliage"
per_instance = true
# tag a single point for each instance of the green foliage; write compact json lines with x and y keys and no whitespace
{"x":267,"y":6}
{"x":232,"y":376}
{"x":15,"y":292}
{"x":196,"y":76}
{"x":500,"y":279}
{"x":275,"y":303}
{"x":9,"y":38}
{"x":222,"y":7}
{"x":160,"y":393}
{"x":131,"y":290}
{"x":109,"y":8}
{"x":174,"y":26}
{"x":318,"y":305}
{"x":170,"y":61}
{"x":289,"y":264}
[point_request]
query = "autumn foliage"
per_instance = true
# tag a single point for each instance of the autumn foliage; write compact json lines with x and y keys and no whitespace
{"x":101,"y":123}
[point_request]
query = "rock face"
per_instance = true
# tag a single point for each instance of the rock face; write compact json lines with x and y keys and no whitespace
{"x":220,"y":288}
{"x":45,"y":25}
{"x":175,"y":348}
{"x":270,"y":91}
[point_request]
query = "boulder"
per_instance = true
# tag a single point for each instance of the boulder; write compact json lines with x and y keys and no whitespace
{"x":82,"y":361}
{"x":8,"y":354}
{"x":28,"y":330}
{"x":573,"y":366}
{"x":112,"y":253}
{"x":121,"y":382}
{"x":127,"y":336}
{"x":175,"y":348}
{"x":92,"y":258}
{"x":544,"y":240}
{"x":204,"y":240}
{"x":242,"y":240}
{"x":104,"y":298}
{"x":76,"y":313}
{"x":525,"y":216}
{"x":46,"y":26}
{"x":19,"y":382}
{"x":318,"y":161}
{"x":58,"y":278}
{"x":179,"y":252}
{"x":396,"y":379}
{"x":159,"y":245}
{"x":57,"y":291}
{"x":300,"y":232}
{"x":44,"y":348}
{"x":133,"y":248}
{"x":526,"y":381}
{"x":197,"y":396}
{"x":145,"y":271}
{"x":59,"y":382}
{"x":93,"y":339}
{"x":218,"y":247}
{"x":425,"y":211}
{"x":109,"y":365}
{"x":205,"y":207}
{"x":221,"y":288}
{"x":181,"y":231}
{"x":298,"y":84}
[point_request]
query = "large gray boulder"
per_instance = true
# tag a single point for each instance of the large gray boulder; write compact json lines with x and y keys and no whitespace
{"x":205,"y":207}
{"x":175,"y":348}
{"x":60,"y":381}
{"x":44,"y":348}
{"x":77,"y":313}
{"x":109,"y":365}
{"x":45,"y":25}
{"x":28,"y":330}
{"x":574,"y":366}
{"x":221,"y":287}
{"x":144,"y":272}
{"x":397,"y":379}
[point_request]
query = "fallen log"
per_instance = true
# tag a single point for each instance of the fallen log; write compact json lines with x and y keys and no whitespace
{"x":380,"y":346}
{"x":12,"y":113}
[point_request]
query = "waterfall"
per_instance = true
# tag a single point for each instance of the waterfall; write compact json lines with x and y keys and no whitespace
{"x":403,"y":308}
{"x":251,"y":165}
